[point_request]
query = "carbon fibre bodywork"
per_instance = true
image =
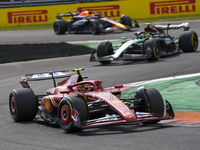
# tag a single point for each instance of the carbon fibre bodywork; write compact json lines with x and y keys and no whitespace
{"x":150,"y":44}
{"x":86,"y":22}
{"x":76,"y":104}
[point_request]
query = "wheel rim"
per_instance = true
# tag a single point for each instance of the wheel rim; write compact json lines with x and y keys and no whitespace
{"x":65,"y":114}
{"x":56,"y":27}
{"x":13,"y":106}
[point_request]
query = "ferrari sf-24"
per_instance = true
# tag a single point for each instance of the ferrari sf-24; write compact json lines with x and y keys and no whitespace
{"x":87,"y":22}
{"x":150,"y":44}
{"x":76,"y":104}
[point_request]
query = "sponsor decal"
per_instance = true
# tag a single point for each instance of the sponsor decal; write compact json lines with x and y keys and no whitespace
{"x":32,"y":16}
{"x":111,"y":117}
{"x":69,"y":81}
{"x":105,"y":11}
{"x":41,"y":75}
{"x":172,"y":7}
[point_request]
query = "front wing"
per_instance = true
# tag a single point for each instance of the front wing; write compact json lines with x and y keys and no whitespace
{"x":141,"y":117}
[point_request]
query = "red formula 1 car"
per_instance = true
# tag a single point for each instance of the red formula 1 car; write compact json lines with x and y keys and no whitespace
{"x":76,"y":104}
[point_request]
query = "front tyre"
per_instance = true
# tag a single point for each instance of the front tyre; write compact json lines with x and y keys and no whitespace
{"x":59,"y":26}
{"x":104,"y":49}
{"x":188,"y":41}
{"x":69,"y":108}
{"x":153,"y":103}
{"x":152,"y":49}
{"x":22,"y":105}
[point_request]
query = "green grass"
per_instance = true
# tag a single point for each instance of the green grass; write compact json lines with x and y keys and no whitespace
{"x":28,"y":27}
{"x":144,"y":20}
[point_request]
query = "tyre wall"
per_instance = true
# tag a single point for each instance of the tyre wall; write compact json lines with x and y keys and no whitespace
{"x":134,"y":8}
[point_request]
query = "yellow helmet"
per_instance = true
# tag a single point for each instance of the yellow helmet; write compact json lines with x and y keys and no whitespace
{"x":84,"y":88}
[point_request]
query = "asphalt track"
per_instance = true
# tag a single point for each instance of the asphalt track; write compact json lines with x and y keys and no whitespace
{"x":38,"y":135}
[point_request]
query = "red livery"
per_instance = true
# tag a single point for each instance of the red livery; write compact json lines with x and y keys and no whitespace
{"x":76,"y":104}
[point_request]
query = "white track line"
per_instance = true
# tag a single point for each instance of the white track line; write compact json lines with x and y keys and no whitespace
{"x":162,"y":79}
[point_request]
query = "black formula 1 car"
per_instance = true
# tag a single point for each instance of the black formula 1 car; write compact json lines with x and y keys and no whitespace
{"x":150,"y":44}
{"x":86,"y":22}
{"x":76,"y":104}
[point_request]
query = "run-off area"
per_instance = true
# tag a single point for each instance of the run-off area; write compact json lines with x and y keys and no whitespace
{"x":181,"y":92}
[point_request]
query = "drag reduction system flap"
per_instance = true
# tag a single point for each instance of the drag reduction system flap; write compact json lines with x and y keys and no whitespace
{"x":174,"y":26}
{"x":47,"y":75}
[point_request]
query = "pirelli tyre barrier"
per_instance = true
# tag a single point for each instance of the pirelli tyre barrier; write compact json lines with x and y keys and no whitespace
{"x":114,"y":9}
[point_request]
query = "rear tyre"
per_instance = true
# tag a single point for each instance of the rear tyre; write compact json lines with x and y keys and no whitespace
{"x":104,"y":49}
{"x":59,"y":26}
{"x":155,"y":48}
{"x":22,"y":104}
{"x":188,"y":41}
{"x":126,"y":20}
{"x":66,"y":109}
{"x":94,"y":27}
{"x":154,"y":103}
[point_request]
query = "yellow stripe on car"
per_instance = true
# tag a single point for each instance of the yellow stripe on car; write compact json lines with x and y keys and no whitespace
{"x":53,"y":100}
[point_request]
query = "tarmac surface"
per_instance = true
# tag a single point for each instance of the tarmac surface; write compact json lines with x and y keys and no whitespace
{"x":39,"y":135}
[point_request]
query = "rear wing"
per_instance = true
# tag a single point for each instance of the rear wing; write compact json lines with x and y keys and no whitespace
{"x":47,"y":75}
{"x":44,"y":76}
{"x":173,"y":26}
{"x":59,"y":16}
{"x":50,"y":75}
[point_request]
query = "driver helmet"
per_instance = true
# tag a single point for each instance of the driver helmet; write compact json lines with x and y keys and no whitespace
{"x":85,"y":13}
{"x":84,"y":88}
{"x":144,"y":35}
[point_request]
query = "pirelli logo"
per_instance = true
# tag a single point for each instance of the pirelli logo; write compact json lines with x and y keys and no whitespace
{"x":32,"y":16}
{"x":172,"y":6}
{"x":108,"y":10}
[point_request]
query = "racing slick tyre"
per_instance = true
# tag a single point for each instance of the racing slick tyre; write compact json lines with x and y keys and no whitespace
{"x":188,"y":41}
{"x":152,"y":48}
{"x":72,"y":111}
{"x":23,"y":104}
{"x":94,"y":27}
{"x":126,"y":20}
{"x":59,"y":26}
{"x":104,"y":49}
{"x":154,"y":104}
